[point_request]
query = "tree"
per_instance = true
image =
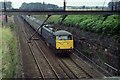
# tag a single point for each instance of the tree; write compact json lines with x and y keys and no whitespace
{"x":8,"y":5}
{"x":38,"y":6}
{"x":83,"y":7}
{"x":96,"y":7}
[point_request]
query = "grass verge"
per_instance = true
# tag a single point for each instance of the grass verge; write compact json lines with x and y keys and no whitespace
{"x":8,"y":53}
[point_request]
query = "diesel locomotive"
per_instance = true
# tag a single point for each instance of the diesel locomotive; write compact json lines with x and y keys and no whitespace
{"x":60,"y":40}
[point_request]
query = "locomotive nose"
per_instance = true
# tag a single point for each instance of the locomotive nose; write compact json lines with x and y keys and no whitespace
{"x":64,"y":44}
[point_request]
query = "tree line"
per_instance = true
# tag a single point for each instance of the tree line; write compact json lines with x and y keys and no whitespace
{"x":7,"y":5}
{"x":38,"y":6}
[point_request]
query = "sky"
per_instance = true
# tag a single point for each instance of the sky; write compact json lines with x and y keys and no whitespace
{"x":17,"y":3}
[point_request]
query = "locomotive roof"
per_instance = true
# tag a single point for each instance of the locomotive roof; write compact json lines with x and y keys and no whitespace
{"x":62,"y":32}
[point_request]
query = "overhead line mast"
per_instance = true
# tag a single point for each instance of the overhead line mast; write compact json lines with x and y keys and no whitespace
{"x":64,"y":5}
{"x":5,"y":10}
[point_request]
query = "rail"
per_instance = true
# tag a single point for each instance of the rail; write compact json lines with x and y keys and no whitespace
{"x":97,"y":66}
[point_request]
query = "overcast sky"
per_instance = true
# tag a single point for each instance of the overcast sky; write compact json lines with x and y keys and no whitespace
{"x":17,"y":3}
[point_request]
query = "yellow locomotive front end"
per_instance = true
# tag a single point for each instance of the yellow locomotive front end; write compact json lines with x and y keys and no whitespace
{"x":64,"y":42}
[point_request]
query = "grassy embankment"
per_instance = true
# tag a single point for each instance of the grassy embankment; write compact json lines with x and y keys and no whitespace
{"x":107,"y":25}
{"x":8,"y":52}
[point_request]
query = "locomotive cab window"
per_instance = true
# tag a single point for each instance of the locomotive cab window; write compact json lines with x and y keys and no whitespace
{"x":68,"y":37}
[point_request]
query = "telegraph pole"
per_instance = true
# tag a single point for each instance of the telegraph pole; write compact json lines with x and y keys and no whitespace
{"x":64,"y":5}
{"x":5,"y":10}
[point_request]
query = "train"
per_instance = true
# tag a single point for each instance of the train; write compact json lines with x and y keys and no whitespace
{"x":60,"y":40}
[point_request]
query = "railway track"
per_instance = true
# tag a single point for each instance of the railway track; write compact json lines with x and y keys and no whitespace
{"x":78,"y":73}
{"x":33,"y":46}
{"x":105,"y":72}
{"x":51,"y":66}
{"x":27,"y":58}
